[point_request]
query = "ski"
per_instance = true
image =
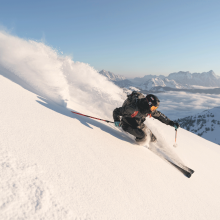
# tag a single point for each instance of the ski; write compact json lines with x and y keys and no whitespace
{"x":188,"y":169}
{"x":182,"y":168}
{"x":185,"y":170}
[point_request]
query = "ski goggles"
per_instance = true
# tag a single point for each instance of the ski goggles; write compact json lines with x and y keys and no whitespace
{"x":153,"y":108}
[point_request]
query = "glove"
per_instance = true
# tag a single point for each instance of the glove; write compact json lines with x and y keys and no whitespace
{"x":176,"y":125}
{"x":117,"y":124}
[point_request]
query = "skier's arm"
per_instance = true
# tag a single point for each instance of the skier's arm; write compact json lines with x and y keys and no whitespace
{"x":161,"y":117}
{"x":117,"y":113}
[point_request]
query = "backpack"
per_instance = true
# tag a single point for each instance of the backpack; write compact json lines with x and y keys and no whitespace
{"x":132,"y":98}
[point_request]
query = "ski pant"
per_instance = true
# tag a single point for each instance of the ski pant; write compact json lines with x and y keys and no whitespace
{"x":137,"y":132}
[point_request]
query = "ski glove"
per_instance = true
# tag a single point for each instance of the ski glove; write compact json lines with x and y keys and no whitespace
{"x":174,"y":124}
{"x":117,"y":124}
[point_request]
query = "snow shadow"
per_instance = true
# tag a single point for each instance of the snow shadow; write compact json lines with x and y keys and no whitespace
{"x":17,"y":80}
{"x":83,"y":120}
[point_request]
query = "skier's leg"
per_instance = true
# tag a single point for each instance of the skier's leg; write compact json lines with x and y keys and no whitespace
{"x":138,"y":133}
{"x":152,"y":136}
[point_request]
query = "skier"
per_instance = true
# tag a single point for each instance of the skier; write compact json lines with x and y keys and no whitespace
{"x":134,"y":112}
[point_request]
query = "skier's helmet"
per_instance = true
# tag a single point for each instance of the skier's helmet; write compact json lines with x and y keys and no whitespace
{"x":153,"y":102}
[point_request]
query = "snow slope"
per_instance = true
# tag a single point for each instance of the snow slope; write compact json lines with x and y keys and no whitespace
{"x":58,"y":165}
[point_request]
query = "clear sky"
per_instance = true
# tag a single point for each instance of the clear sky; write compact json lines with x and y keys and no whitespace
{"x":127,"y":37}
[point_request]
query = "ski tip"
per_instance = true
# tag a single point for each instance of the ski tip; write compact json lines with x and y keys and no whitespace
{"x":188,"y":175}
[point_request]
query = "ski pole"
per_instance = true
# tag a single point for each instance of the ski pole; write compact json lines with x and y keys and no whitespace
{"x":175,"y":135}
{"x":175,"y":144}
{"x":92,"y":117}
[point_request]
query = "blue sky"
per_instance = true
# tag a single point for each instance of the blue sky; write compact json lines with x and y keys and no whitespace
{"x":131,"y":38}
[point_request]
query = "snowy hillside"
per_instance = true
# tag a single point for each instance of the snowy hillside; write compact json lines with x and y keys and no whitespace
{"x":205,"y":124}
{"x":59,"y":165}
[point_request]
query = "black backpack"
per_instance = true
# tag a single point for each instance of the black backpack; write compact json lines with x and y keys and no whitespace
{"x":132,"y":98}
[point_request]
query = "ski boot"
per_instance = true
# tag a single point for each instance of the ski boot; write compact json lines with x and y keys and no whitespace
{"x":140,"y":141}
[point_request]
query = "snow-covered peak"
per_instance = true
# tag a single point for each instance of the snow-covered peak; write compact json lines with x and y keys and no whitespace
{"x":141,"y":80}
{"x":111,"y":76}
{"x":153,"y":82}
{"x":159,"y":82}
{"x":180,"y":76}
{"x":201,"y":79}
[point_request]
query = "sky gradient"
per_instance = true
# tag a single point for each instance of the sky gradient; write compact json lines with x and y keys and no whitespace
{"x":130,"y":38}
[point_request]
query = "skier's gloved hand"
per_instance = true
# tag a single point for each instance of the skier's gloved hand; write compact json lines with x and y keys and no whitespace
{"x":174,"y":124}
{"x":117,"y":124}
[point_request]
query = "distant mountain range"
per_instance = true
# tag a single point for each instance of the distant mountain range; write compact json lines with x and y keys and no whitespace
{"x":205,"y":124}
{"x":179,"y":80}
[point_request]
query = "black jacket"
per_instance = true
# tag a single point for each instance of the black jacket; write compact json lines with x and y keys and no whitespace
{"x":132,"y":115}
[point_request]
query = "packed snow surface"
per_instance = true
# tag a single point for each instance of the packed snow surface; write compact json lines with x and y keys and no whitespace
{"x":58,"y":165}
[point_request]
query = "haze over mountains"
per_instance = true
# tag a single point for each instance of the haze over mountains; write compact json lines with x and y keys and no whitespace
{"x":178,"y":80}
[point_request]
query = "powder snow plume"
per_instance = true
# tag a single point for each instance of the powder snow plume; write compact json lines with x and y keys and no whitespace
{"x":40,"y":69}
